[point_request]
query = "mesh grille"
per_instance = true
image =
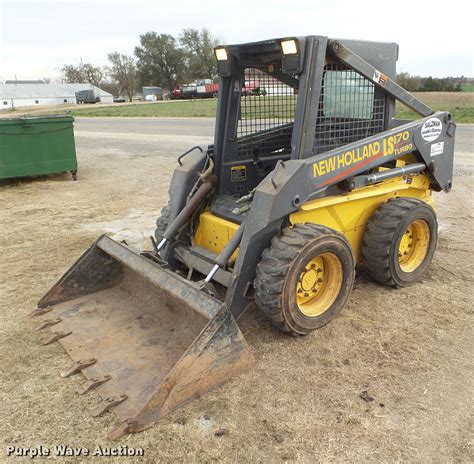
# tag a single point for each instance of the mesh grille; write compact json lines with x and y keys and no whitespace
{"x":348,"y":110}
{"x":267,"y":112}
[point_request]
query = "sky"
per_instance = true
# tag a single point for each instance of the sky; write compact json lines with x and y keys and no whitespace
{"x":38,"y":37}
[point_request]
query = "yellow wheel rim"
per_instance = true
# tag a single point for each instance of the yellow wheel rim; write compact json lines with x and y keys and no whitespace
{"x":319,"y":284}
{"x":414,"y":246}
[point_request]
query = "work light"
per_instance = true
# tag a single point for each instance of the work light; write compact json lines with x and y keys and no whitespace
{"x":289,"y":47}
{"x":221,"y":54}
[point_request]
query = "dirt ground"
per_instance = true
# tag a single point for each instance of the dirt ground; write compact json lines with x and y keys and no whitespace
{"x":410,"y":349}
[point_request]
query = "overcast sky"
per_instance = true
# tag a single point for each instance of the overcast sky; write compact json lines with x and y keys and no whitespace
{"x":38,"y":37}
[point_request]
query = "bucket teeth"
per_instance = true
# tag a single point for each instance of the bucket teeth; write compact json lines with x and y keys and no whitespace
{"x":121,"y":430}
{"x":48,"y":323}
{"x":107,"y":404}
{"x":158,"y":339}
{"x":56,"y":336}
{"x":40,"y":312}
{"x":78,"y":366}
{"x":92,"y":383}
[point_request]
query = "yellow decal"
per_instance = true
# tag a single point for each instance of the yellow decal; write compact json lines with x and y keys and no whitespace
{"x":238,"y":173}
{"x":345,"y":159}
{"x":394,"y":144}
{"x":391,"y":145}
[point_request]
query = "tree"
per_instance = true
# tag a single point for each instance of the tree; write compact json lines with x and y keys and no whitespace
{"x":410,"y":83}
{"x":111,"y":87}
{"x":199,"y":52}
{"x":84,"y":72}
{"x":93,"y":74}
{"x":430,"y":84}
{"x":124,"y":72}
{"x":72,"y":73}
{"x":160,"y":60}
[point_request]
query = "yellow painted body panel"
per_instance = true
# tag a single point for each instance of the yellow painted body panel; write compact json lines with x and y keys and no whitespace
{"x":347,"y":213}
{"x":213,"y":233}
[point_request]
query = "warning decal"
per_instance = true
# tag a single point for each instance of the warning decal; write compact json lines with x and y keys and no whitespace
{"x":437,"y":149}
{"x":380,"y":78}
{"x":238,"y":173}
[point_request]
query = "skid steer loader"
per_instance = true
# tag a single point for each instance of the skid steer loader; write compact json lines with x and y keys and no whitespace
{"x":305,"y":180}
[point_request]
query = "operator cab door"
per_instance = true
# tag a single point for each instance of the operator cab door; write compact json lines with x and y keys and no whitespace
{"x":264,"y":128}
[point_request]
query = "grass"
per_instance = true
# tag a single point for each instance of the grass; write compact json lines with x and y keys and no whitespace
{"x":273,"y":107}
{"x":460,"y":115}
{"x":460,"y":104}
{"x":175,"y":109}
{"x":468,"y":88}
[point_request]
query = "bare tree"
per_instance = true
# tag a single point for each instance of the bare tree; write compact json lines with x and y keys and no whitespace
{"x":72,"y":73}
{"x":83,"y":72}
{"x":111,"y":87}
{"x":93,"y":74}
{"x":124,"y":72}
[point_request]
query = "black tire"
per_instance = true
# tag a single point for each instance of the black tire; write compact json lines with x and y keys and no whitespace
{"x":282,"y":269}
{"x":162,"y":223}
{"x":381,"y":253}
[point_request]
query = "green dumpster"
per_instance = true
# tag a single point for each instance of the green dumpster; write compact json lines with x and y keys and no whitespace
{"x":30,"y":146}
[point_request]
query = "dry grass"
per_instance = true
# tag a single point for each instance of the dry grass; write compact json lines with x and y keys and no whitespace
{"x":459,"y":104}
{"x":411,"y":349}
{"x":460,"y":99}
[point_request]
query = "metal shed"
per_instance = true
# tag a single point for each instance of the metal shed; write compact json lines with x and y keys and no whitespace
{"x":17,"y":95}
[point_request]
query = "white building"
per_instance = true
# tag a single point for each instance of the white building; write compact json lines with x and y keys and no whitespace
{"x":18,"y":94}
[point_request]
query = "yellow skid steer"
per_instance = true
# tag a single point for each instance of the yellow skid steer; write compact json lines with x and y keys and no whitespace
{"x":310,"y":175}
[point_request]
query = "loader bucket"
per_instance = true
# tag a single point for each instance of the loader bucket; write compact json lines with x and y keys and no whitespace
{"x":146,"y":339}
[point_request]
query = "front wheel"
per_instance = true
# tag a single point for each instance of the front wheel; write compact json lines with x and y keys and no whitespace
{"x":304,"y":278}
{"x":162,"y":223}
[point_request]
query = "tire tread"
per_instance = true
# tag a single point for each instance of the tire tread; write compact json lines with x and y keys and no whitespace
{"x":274,"y":266}
{"x":379,"y":235}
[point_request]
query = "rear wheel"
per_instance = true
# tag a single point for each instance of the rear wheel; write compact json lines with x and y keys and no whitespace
{"x":400,"y":241}
{"x":304,"y":278}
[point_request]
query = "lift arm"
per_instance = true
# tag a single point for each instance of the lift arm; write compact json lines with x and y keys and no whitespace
{"x":283,"y":191}
{"x":431,"y":139}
